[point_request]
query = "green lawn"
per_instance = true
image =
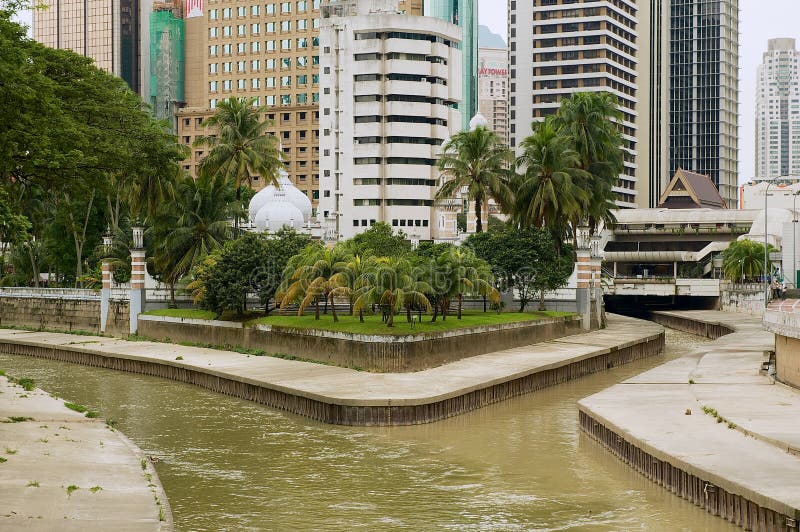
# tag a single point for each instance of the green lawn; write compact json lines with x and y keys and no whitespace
{"x":374,"y":325}
{"x":182,"y":313}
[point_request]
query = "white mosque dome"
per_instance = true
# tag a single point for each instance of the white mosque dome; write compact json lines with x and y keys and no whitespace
{"x":478,"y":121}
{"x":286,"y":188}
{"x":277,"y":213}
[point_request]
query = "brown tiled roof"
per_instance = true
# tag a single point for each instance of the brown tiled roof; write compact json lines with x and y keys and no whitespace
{"x":700,"y":188}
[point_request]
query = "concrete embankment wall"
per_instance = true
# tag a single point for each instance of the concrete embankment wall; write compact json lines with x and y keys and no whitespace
{"x":64,"y":314}
{"x":700,"y":328}
{"x":350,"y":412}
{"x":377,"y":353}
{"x":695,"y":489}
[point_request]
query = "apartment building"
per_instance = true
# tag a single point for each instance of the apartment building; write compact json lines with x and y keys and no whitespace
{"x":778,"y":111}
{"x":267,"y":51}
{"x":493,"y":89}
{"x":390,"y":94}
{"x":559,"y":47}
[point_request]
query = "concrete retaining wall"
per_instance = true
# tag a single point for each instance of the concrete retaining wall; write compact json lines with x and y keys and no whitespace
{"x":787,"y":360}
{"x":715,"y":500}
{"x":63,"y":313}
{"x":348,"y":414}
{"x":748,"y":301}
{"x":700,"y":328}
{"x":377,"y":353}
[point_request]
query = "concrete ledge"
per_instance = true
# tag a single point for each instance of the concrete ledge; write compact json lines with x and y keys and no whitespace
{"x":54,"y":448}
{"x":342,"y":396}
{"x":655,"y":423}
{"x":378,"y":353}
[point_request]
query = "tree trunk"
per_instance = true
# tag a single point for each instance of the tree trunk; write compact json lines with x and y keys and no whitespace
{"x":484,"y":303}
{"x":325,"y":311}
{"x":333,"y":310}
{"x":460,"y":299}
{"x":541,"y":301}
{"x":172,"y":303}
{"x":408,"y":314}
{"x":445,"y":306}
{"x":390,"y":317}
{"x":478,"y":222}
{"x":316,"y":309}
{"x":34,"y":265}
{"x":435,"y":312}
{"x":361,"y":315}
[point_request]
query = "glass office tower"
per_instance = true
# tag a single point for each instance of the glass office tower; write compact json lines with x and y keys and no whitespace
{"x":463,"y":13}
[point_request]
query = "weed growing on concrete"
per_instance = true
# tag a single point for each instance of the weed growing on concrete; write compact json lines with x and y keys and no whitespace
{"x":2,"y":460}
{"x":71,"y":488}
{"x":27,"y":384}
{"x":76,"y":407}
{"x":95,"y":489}
{"x":78,"y":332}
{"x":18,"y":419}
{"x":144,"y":463}
{"x":179,"y":358}
{"x":691,"y":381}
{"x":161,"y":515}
{"x":43,"y":440}
{"x":731,"y":425}
{"x":33,"y":484}
{"x":91,"y":414}
{"x":11,"y":451}
{"x":111,"y":423}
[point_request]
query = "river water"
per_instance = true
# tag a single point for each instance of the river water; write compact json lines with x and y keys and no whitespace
{"x":523,"y":464}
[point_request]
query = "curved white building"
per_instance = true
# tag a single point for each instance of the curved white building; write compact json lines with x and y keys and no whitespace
{"x":390,"y":94}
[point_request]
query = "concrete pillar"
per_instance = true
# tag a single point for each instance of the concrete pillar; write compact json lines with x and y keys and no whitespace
{"x":675,"y":269}
{"x":137,"y":287}
{"x":105,"y":294}
{"x":583,"y":291}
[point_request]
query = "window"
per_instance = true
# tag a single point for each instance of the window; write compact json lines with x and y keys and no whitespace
{"x":241,"y":47}
{"x":226,"y":13}
{"x":255,"y":83}
{"x":241,"y":66}
{"x":302,"y":24}
{"x":286,"y":81}
{"x":270,"y":82}
{"x":226,"y":85}
{"x":254,"y":29}
{"x":241,"y":84}
{"x":286,"y":99}
{"x":270,"y":100}
{"x":212,"y":68}
{"x":255,"y":10}
{"x":213,"y":32}
{"x":286,"y":44}
{"x":212,"y":86}
{"x":255,"y":65}
{"x":286,"y":25}
{"x":241,"y":29}
{"x":286,"y":7}
{"x":270,"y":9}
{"x":241,"y":11}
{"x":269,"y":64}
{"x":302,"y":61}
{"x":286,"y":62}
{"x":226,"y":49}
{"x":302,"y":98}
{"x":213,"y":50}
{"x":213,"y":14}
{"x":255,"y":46}
{"x":302,"y":5}
{"x":302,"y":42}
{"x":269,"y":27}
{"x":227,"y":66}
{"x":270,"y":46}
{"x":302,"y":79}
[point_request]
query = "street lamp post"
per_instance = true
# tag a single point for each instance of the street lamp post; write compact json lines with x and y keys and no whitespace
{"x":794,"y":238}
{"x":766,"y":252}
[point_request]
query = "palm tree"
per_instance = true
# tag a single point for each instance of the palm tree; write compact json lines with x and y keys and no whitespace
{"x":548,"y":192}
{"x":312,"y":276}
{"x":589,"y":120}
{"x":744,"y":258}
{"x":392,"y":286}
{"x":477,"y":160}
{"x":192,"y":226}
{"x":357,"y":276}
{"x":241,"y":147}
{"x":467,"y":275}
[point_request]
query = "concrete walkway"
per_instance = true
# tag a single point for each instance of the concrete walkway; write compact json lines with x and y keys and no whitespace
{"x":342,"y":386}
{"x":46,"y":450}
{"x":753,"y":451}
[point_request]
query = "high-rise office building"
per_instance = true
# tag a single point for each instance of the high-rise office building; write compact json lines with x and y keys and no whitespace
{"x":387,"y":105}
{"x":493,"y":89}
{"x":558,"y":48}
{"x":463,"y":13}
{"x":111,"y":32}
{"x":703,"y":91}
{"x":267,"y":51}
{"x":778,"y":111}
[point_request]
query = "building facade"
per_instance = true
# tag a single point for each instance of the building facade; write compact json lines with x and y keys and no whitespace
{"x":703,"y":91}
{"x":778,"y":111}
{"x":269,"y":52}
{"x":493,"y":89}
{"x":463,"y":13}
{"x":559,"y":47}
{"x":111,"y":32}
{"x":389,"y":100}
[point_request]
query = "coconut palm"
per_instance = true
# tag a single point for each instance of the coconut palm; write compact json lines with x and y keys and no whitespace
{"x":744,"y":259}
{"x":189,"y":228}
{"x":240,"y":147}
{"x":478,"y":160}
{"x":589,"y":120}
{"x":311,"y":277}
{"x":357,"y":277}
{"x":392,"y":286}
{"x":466,"y":275}
{"x":548,"y":192}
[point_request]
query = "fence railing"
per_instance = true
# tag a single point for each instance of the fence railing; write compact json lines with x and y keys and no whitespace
{"x":51,"y":293}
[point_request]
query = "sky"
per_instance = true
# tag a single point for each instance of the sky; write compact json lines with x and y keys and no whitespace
{"x":759,"y":21}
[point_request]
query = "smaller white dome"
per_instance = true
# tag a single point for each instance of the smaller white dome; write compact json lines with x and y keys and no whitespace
{"x":478,"y":121}
{"x":278,"y":213}
{"x":260,"y":199}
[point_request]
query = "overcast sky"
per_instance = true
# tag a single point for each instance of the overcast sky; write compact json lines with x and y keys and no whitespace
{"x":759,"y":21}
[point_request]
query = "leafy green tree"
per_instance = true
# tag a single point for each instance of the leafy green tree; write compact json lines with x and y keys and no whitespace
{"x":527,"y":261}
{"x":312,"y":277}
{"x":744,"y":259}
{"x":478,"y":160}
{"x":379,"y":241}
{"x":466,"y":274}
{"x":240,"y":147}
{"x":548,"y":193}
{"x":190,"y":228}
{"x":13,"y":227}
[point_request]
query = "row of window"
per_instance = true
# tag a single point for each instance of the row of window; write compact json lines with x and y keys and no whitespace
{"x":271,"y":99}
{"x":395,"y":223}
{"x":255,"y":83}
{"x":397,"y":202}
{"x":255,"y":28}
{"x":255,"y":46}
{"x":269,"y":9}
{"x":400,"y":118}
{"x":435,"y":80}
{"x":269,"y":64}
{"x":394,"y":160}
{"x":411,"y":98}
{"x":398,"y":140}
{"x":409,"y":36}
{"x":412,"y":181}
{"x":402,"y":56}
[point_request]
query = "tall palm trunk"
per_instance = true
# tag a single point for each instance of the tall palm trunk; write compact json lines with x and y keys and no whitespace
{"x":333,"y":309}
{"x":435,"y":312}
{"x":361,"y":315}
{"x":390,"y":317}
{"x":478,"y":213}
{"x":408,"y":314}
{"x":316,"y":309}
{"x":460,"y":299}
